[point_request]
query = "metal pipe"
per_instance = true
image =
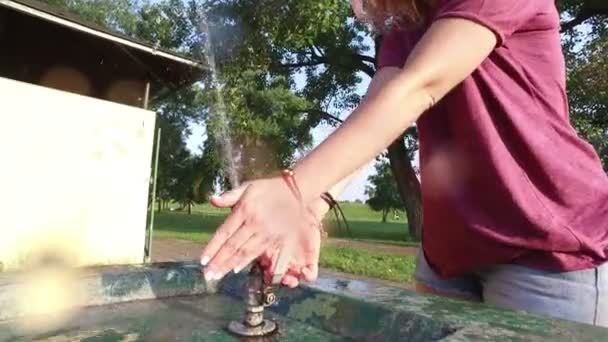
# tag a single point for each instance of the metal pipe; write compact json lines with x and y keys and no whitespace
{"x":151,"y":227}
{"x":257,"y":296}
{"x":147,"y":95}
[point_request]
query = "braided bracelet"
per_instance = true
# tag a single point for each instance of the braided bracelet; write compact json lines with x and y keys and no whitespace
{"x":329,"y":199}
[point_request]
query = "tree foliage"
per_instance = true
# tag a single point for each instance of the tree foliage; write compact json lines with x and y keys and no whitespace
{"x":382,"y":189}
{"x":318,"y":41}
{"x":576,"y":12}
{"x":588,"y":94}
{"x":288,"y":65}
{"x":266,"y":122}
{"x":586,"y":48}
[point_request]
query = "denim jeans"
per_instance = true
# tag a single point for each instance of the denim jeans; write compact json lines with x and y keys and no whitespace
{"x":579,"y":296}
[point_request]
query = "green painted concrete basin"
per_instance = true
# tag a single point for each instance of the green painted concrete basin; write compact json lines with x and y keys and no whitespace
{"x":171,"y":302}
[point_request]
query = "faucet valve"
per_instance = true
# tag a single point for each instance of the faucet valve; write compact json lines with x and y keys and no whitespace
{"x":258,"y":296}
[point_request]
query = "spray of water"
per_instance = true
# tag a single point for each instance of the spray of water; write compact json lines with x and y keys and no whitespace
{"x":221,"y":123}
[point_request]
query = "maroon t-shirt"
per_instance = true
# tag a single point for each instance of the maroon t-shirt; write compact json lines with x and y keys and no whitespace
{"x":505,"y":178}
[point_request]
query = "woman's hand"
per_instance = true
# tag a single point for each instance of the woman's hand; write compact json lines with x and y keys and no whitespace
{"x":266,"y":216}
{"x":304,"y":255}
{"x":319,"y":208}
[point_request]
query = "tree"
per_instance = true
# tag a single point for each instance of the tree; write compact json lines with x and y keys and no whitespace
{"x":265,"y":122}
{"x":173,"y":155}
{"x":588,"y":93}
{"x":577,"y":12}
{"x":586,"y":52}
{"x":321,"y":42}
{"x":382,"y":191}
{"x":195,"y":178}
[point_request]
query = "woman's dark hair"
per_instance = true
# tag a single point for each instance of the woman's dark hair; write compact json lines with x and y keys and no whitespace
{"x":385,"y":13}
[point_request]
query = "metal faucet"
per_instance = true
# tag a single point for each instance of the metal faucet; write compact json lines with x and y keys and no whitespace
{"x":258,"y":296}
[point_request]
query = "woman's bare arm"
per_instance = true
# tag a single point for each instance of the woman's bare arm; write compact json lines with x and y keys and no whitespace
{"x":381,"y":77}
{"x":448,"y":53}
{"x":266,"y":213}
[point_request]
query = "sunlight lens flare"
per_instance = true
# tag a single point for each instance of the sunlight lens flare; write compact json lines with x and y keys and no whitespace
{"x":48,"y":294}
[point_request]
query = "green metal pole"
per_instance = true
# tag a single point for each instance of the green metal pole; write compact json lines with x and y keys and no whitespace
{"x":151,"y":228}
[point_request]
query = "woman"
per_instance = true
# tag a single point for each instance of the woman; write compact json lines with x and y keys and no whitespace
{"x":515,"y":204}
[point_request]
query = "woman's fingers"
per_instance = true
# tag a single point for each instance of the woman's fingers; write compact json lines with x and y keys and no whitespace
{"x":268,"y":262}
{"x":290,"y":281}
{"x":234,"y":221}
{"x":247,"y":253}
{"x":311,"y":272}
{"x":265,"y":260}
{"x":240,"y":250}
{"x":218,"y":265}
{"x":292,"y":277}
{"x":229,"y":199}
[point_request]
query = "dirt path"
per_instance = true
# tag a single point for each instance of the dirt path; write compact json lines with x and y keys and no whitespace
{"x":373,"y":247}
{"x":179,"y":250}
{"x":164,"y":250}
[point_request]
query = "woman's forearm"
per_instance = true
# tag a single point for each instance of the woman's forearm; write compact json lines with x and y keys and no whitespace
{"x":366,"y":133}
{"x":437,"y":64}
{"x":378,"y":81}
{"x":337,"y":189}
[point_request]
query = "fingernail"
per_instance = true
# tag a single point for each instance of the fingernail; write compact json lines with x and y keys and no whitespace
{"x":204,"y":260}
{"x":209,"y":276}
{"x":217,"y":276}
{"x":238,"y":269}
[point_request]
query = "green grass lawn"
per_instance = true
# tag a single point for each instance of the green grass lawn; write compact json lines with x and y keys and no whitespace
{"x":369,"y":264}
{"x":365,"y":225}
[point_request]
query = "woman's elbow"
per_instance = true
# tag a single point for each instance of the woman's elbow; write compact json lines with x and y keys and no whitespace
{"x":430,"y":90}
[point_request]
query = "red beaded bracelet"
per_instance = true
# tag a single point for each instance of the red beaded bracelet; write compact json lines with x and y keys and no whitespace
{"x":289,"y":178}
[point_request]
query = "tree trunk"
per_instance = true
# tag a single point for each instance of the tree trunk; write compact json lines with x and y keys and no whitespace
{"x":384,"y":215}
{"x":407,"y":182}
{"x":409,"y":186}
{"x":160,"y":205}
{"x":189,"y":208}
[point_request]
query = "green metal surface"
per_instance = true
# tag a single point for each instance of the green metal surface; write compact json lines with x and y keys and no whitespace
{"x":171,"y":302}
{"x":199,"y":318}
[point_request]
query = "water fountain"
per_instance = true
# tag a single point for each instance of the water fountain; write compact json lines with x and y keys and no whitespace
{"x":258,"y":294}
{"x":173,"y":302}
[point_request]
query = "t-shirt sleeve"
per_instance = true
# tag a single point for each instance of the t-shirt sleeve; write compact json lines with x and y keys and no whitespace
{"x":503,"y":17}
{"x":393,"y":49}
